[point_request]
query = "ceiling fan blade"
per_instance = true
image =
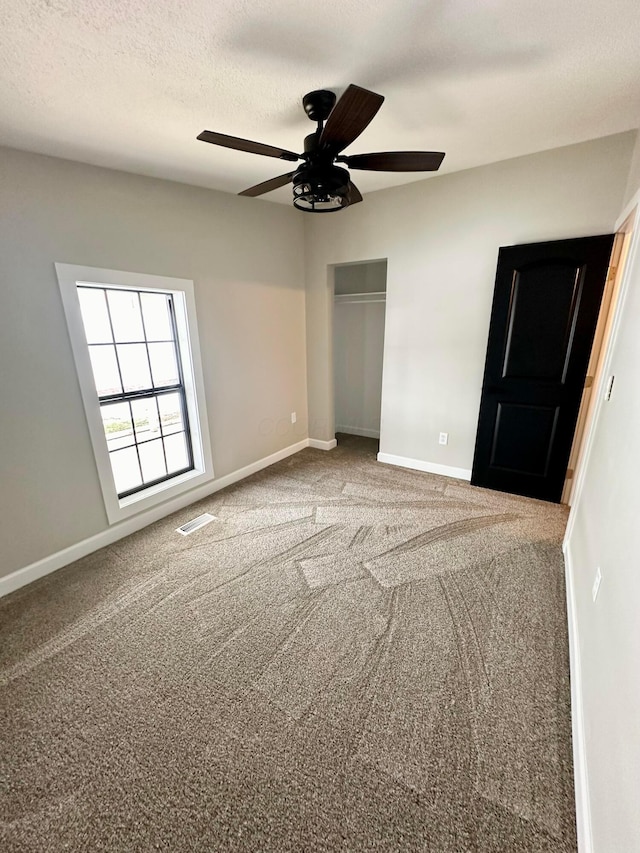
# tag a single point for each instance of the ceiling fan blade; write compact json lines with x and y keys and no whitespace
{"x":246,"y":145}
{"x":267,"y":186}
{"x":396,"y":161}
{"x":349,"y":117}
{"x":354,"y":194}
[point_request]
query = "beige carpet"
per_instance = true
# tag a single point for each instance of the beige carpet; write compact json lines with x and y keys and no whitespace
{"x":353,"y":657}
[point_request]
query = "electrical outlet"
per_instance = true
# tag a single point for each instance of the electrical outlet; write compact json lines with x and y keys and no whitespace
{"x":293,"y":417}
{"x":444,"y":438}
{"x":596,"y":584}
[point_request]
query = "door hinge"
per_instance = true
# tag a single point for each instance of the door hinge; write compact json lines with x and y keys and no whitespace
{"x":588,"y":381}
{"x":613,"y":271}
{"x":569,"y":474}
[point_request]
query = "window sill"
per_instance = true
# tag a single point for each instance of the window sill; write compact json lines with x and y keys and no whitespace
{"x":119,"y":509}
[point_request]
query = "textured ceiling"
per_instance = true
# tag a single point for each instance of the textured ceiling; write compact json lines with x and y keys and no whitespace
{"x":130,"y":84}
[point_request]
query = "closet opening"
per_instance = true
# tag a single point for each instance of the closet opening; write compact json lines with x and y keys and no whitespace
{"x":360,"y":292}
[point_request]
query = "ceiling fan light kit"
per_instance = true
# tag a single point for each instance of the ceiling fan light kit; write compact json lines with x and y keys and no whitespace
{"x":320,"y":189}
{"x":319,"y":185}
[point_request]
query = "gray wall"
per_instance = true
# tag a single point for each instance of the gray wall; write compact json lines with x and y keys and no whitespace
{"x":605,"y":532}
{"x":633,"y":181}
{"x":441,"y":238}
{"x":246,"y":259}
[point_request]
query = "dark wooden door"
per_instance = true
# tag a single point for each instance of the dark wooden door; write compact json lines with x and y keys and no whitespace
{"x":545,"y":309}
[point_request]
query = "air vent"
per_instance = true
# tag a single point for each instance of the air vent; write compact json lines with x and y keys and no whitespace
{"x":195,"y":523}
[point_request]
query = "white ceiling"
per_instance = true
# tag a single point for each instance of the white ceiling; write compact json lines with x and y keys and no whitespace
{"x":129,"y":84}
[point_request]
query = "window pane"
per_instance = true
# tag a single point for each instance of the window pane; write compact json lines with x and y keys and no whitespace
{"x":125,"y":315}
{"x":155,"y":310}
{"x":134,"y":366}
{"x":176,"y":449}
{"x":152,"y":460}
{"x":93,"y":307}
{"x":170,"y":413}
{"x":145,"y":418}
{"x":126,"y":471}
{"x":105,"y":369}
{"x":163,"y":364}
{"x":118,"y":429}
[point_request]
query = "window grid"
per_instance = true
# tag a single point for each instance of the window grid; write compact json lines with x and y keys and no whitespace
{"x":154,"y":392}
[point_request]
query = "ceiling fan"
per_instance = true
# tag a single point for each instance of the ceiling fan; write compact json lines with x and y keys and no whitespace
{"x":319,"y":185}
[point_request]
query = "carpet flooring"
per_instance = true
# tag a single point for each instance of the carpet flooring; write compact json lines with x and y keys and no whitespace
{"x":352,"y":657}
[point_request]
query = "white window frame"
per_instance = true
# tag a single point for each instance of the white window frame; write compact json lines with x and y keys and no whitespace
{"x":182,"y":291}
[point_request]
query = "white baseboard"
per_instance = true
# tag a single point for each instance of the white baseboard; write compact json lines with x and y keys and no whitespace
{"x":429,"y":467}
{"x":580,"y":773}
{"x":322,"y":445}
{"x":43,"y":567}
{"x":351,"y":430}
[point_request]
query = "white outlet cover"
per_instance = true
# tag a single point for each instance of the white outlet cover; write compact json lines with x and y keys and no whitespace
{"x":444,"y":438}
{"x":293,"y":417}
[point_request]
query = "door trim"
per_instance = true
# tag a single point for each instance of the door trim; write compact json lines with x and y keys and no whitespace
{"x":599,"y":387}
{"x":604,"y":330}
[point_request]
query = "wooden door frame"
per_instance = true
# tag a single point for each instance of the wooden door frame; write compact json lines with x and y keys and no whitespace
{"x":599,"y":350}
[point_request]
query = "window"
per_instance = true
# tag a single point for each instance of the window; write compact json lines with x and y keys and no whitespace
{"x":135,"y":359}
{"x":134,"y":339}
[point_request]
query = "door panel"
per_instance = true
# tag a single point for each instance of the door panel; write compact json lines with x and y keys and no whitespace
{"x":542,"y":314}
{"x":545,"y":308}
{"x":533,"y":428}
